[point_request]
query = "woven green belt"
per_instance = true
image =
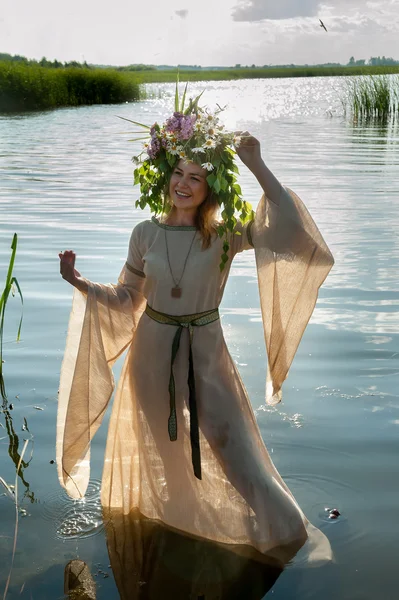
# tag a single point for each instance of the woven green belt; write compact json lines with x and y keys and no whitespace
{"x":185,"y":322}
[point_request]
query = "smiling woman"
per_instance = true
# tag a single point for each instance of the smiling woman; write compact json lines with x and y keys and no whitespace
{"x":183,"y":447}
{"x":188,"y":189}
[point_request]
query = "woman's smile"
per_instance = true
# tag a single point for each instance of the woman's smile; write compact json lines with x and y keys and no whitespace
{"x":182,"y":194}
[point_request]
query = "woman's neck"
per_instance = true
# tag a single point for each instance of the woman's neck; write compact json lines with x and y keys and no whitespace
{"x":181,"y":218}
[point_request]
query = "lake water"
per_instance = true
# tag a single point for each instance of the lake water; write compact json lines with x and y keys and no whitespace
{"x":66,"y":182}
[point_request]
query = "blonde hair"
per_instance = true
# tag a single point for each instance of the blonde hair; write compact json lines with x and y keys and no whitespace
{"x":206,"y":218}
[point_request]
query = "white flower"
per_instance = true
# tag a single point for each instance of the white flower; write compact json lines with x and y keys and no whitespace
{"x":174,"y":149}
{"x":209,"y":143}
{"x":208,"y":166}
{"x":213,"y":132}
{"x":198,"y":150}
{"x":202,"y":125}
{"x":182,"y":154}
{"x":237,"y":140}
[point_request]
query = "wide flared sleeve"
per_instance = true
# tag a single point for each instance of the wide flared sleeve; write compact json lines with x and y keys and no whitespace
{"x":292,"y":261}
{"x":101,"y":326}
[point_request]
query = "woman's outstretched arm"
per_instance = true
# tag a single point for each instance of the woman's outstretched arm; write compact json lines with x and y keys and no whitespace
{"x":292,"y":261}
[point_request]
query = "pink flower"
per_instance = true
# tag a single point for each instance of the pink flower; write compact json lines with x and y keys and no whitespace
{"x":153,"y":148}
{"x":187,"y":127}
{"x":181,"y":125}
{"x":173,"y":123}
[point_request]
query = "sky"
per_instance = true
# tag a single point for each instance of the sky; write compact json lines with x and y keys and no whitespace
{"x":200,"y":32}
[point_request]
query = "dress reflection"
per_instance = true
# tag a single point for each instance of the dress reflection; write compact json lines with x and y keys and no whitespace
{"x":150,"y":561}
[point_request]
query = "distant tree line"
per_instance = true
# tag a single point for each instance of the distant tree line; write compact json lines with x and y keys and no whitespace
{"x":374,"y":61}
{"x":138,"y":68}
{"x":50,"y":64}
{"x":56,"y":64}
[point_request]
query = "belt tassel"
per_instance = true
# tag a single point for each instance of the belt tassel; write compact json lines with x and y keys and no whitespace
{"x":187,"y":322}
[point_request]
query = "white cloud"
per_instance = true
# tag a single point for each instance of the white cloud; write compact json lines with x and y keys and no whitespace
{"x":258,"y":10}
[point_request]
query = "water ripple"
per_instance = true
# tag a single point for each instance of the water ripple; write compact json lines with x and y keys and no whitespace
{"x":73,"y":519}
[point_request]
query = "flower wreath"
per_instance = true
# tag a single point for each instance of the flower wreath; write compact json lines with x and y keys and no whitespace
{"x":194,"y":134}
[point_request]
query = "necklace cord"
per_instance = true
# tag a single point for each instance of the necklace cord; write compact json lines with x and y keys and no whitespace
{"x":177,"y":284}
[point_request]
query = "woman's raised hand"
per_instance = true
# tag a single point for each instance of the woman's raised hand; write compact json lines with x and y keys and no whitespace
{"x":248,"y":149}
{"x":67,"y":267}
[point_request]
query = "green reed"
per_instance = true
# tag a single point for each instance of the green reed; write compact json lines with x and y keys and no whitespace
{"x":17,"y":457}
{"x":372,"y":98}
{"x":10,"y":283}
{"x":31,"y":87}
{"x":13,"y":494}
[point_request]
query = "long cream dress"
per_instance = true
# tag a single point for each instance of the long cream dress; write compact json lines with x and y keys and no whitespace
{"x":241,"y":498}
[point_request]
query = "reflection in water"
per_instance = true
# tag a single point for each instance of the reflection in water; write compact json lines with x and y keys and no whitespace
{"x":151,"y":561}
{"x":374,"y":134}
{"x":383,"y":131}
{"x":14,"y":454}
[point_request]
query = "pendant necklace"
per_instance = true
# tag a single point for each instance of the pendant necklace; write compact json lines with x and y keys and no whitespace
{"x":176,"y":291}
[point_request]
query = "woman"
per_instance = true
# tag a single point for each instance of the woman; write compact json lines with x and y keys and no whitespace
{"x":183,"y":445}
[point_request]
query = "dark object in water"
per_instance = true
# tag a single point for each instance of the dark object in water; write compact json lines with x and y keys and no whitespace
{"x":78,"y":582}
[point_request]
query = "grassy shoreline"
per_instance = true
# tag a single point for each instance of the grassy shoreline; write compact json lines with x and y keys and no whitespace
{"x":33,"y":87}
{"x":159,"y":76}
{"x":29,"y":88}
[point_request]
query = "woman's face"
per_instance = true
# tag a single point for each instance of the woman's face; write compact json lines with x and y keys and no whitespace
{"x":188,"y":187}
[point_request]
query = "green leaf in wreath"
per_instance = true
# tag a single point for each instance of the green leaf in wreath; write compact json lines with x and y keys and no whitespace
{"x":211,"y":179}
{"x":183,"y":99}
{"x":216,"y":185}
{"x":134,"y":122}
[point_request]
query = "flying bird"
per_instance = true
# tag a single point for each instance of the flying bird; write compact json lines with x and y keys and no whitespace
{"x":322,"y":24}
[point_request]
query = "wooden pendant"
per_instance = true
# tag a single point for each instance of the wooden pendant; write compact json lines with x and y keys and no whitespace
{"x":176,"y":292}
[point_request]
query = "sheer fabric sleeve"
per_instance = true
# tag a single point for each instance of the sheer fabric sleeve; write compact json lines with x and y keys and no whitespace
{"x":101,"y":326}
{"x":241,"y":239}
{"x":292,"y":261}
